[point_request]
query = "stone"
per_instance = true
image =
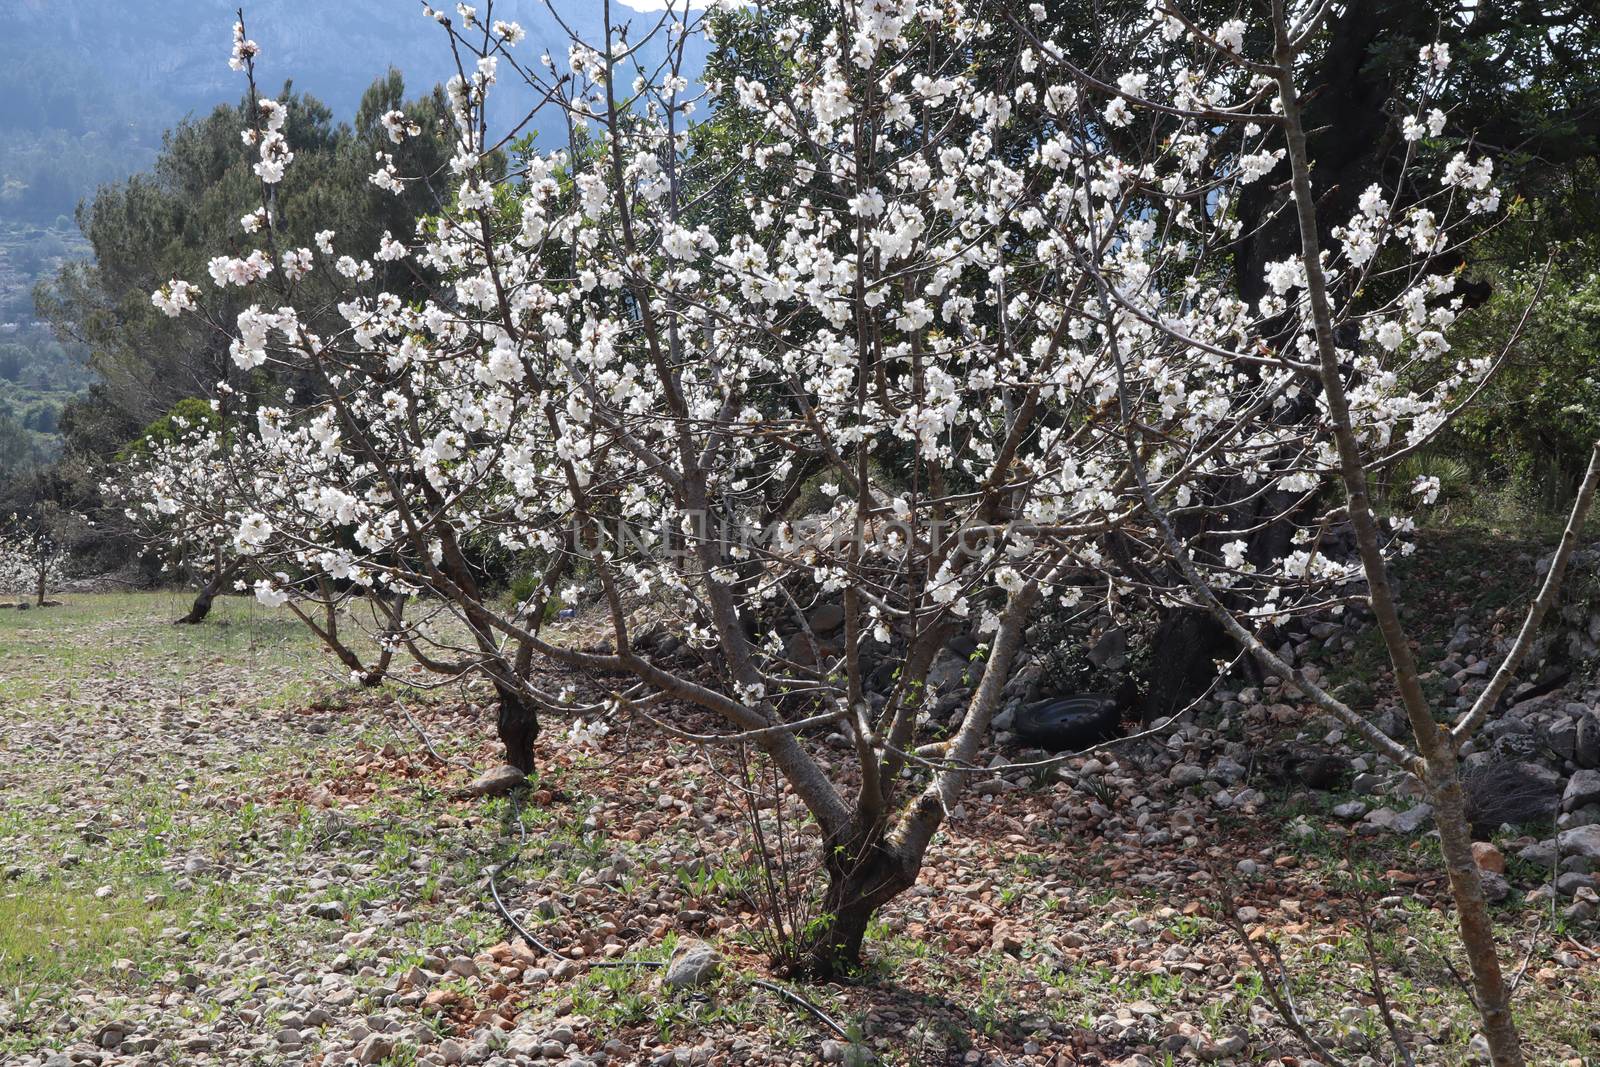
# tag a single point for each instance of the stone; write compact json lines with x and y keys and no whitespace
{"x":694,"y":964}
{"x":846,"y":1053}
{"x":1110,"y":651}
{"x":1367,"y":783}
{"x":326,"y":909}
{"x":1579,"y":841}
{"x":947,"y":672}
{"x":373,"y":1047}
{"x":1186,"y":774}
{"x":1488,"y":858}
{"x":111,"y":1034}
{"x":1401,"y":822}
{"x":526,"y":1043}
{"x":1562,"y":737}
{"x":1582,"y":790}
{"x":1228,"y":770}
{"x":1570,"y":883}
{"x":1231,"y":1045}
{"x":496,"y":783}
{"x":438,"y":1000}
{"x":1495,"y":886}
{"x":1586,"y":741}
{"x":825,"y":618}
{"x":1350,"y":810}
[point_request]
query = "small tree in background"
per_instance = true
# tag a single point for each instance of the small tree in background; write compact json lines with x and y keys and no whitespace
{"x":33,"y":552}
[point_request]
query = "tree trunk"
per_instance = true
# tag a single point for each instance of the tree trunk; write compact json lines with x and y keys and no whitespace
{"x":202,"y":601}
{"x":857,"y":887}
{"x":1187,"y":643}
{"x":1472,"y":914}
{"x":1437,"y":746}
{"x":519,"y":727}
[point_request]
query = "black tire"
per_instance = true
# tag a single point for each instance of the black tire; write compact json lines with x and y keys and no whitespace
{"x":1067,"y":724}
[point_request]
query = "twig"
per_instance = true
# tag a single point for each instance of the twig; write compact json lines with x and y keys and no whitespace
{"x":1379,"y":993}
{"x":522,"y":931}
{"x":1282,"y":1002}
{"x":421,"y":733}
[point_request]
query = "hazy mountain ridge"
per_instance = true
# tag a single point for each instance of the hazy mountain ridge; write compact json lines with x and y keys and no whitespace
{"x":61,"y":82}
{"x":88,"y":87}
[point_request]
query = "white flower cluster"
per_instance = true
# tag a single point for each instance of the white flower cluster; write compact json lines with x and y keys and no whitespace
{"x":980,"y":342}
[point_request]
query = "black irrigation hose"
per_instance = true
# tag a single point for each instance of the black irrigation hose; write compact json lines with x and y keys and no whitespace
{"x":527,"y":935}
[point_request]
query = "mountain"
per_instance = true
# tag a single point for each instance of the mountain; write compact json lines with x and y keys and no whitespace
{"x":88,"y":87}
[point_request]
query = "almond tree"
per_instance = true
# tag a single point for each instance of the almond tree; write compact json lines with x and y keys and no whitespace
{"x":870,"y":339}
{"x":33,"y":553}
{"x":173,"y":486}
{"x":1360,"y":331}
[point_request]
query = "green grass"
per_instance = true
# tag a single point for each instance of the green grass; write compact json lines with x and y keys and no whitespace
{"x":67,"y":662}
{"x":54,"y":935}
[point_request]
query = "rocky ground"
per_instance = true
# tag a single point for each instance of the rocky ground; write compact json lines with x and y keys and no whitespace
{"x":216,"y":855}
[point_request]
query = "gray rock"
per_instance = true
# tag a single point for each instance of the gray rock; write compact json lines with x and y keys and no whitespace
{"x":326,"y":909}
{"x":1568,"y":884}
{"x":1495,"y":886}
{"x":526,"y":1043}
{"x":1228,"y":770}
{"x":694,"y":964}
{"x":1350,"y":810}
{"x":1562,"y":737}
{"x":374,"y":1047}
{"x":947,"y":671}
{"x":1231,"y":1045}
{"x":1586,"y":741}
{"x":846,"y":1053}
{"x":497,"y":782}
{"x":1110,"y":651}
{"x":825,"y":618}
{"x":1541,"y":854}
{"x":1186,"y":774}
{"x":1587,"y":815}
{"x":1367,"y":783}
{"x":1579,"y":841}
{"x":111,"y":1034}
{"x":1394,"y":725}
{"x":1401,"y":822}
{"x":1583,"y":789}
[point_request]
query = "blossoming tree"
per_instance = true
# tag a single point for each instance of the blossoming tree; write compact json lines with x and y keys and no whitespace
{"x":33,"y":553}
{"x":1359,"y":375}
{"x":981,"y":324}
